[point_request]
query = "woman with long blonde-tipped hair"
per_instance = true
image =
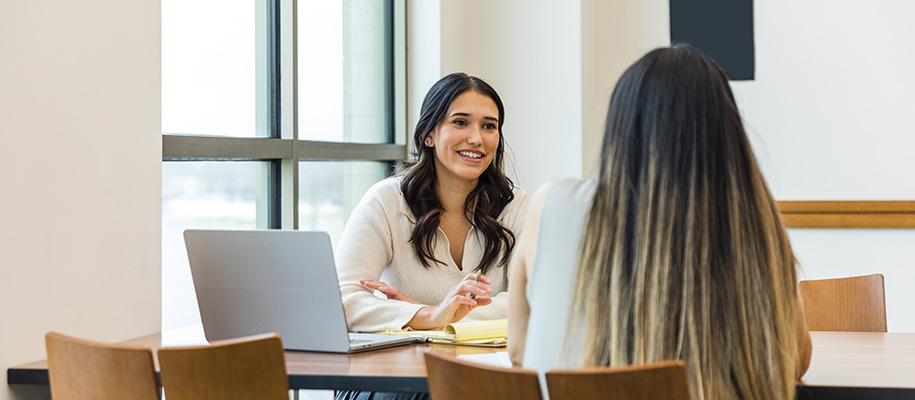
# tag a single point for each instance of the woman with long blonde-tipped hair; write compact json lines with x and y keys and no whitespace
{"x":677,"y":251}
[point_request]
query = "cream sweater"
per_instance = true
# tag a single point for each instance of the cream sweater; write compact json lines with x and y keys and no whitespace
{"x":375,"y":245}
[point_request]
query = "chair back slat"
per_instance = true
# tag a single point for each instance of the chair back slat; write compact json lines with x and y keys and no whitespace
{"x":252,"y":367}
{"x":83,"y":369}
{"x":453,"y":379}
{"x":854,"y":304}
{"x":665,"y":380}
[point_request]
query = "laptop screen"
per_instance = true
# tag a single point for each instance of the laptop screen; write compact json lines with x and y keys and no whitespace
{"x":283,"y":281}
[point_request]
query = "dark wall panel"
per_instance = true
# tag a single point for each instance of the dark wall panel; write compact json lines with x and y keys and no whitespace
{"x":723,"y":29}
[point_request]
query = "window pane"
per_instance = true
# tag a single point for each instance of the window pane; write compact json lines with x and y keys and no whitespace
{"x":328,"y":192}
{"x":342,"y":71}
{"x":209,"y":68}
{"x":202,"y":195}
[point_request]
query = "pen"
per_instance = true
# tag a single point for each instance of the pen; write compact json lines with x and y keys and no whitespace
{"x":473,"y":296}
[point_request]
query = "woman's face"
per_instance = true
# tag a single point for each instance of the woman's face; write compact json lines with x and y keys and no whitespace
{"x":465,"y":142}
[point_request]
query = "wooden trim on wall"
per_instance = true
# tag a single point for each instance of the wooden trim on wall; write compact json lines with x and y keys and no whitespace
{"x":848,"y":214}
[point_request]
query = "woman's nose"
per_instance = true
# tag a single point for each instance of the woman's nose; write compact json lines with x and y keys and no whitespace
{"x":474,"y":137}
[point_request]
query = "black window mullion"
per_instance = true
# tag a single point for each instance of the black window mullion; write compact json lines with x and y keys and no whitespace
{"x":274,"y":76}
{"x":275,"y":204}
{"x":275,"y":177}
{"x":389,"y":107}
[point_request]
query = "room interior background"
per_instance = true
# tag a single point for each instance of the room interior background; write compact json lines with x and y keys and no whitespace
{"x":80,"y":119}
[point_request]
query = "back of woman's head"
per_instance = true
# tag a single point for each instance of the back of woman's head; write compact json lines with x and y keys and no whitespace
{"x":684,"y":254}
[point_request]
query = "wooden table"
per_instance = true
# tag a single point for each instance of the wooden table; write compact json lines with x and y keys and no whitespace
{"x":844,"y":366}
{"x":848,"y":365}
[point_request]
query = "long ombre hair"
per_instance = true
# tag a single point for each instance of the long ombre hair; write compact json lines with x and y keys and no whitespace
{"x":684,"y":253}
{"x":484,"y":204}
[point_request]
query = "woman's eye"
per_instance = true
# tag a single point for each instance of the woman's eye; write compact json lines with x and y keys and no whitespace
{"x":460,"y":122}
{"x":489,"y":126}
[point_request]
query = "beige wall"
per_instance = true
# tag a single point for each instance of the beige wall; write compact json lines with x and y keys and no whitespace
{"x":81,"y":176}
{"x":614,"y":35}
{"x":554,"y":63}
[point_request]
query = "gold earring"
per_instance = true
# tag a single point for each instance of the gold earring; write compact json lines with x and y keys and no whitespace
{"x":428,"y":143}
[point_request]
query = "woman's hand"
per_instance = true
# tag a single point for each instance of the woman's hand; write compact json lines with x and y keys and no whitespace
{"x":456,"y":305}
{"x":392,"y":293}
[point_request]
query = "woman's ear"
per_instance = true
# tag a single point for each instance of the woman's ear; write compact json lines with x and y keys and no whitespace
{"x":430,"y":140}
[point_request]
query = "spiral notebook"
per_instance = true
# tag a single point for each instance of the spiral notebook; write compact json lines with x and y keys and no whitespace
{"x":476,"y":333}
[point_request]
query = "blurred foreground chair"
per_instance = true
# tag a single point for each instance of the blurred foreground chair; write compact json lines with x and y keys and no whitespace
{"x":83,"y":369}
{"x":251,"y":367}
{"x":855,"y":304}
{"x":665,"y":380}
{"x":451,"y":378}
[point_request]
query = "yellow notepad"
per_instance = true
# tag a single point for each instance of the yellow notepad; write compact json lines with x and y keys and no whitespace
{"x":479,"y":333}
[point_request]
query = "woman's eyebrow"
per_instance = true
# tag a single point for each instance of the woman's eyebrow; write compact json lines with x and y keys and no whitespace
{"x":464,"y":114}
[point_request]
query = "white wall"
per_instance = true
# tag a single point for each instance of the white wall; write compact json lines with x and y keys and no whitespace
{"x":833,"y":98}
{"x":529,"y":54}
{"x":81,"y":151}
{"x":827,"y":113}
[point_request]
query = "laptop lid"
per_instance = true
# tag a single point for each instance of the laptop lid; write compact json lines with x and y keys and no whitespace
{"x":257,"y":281}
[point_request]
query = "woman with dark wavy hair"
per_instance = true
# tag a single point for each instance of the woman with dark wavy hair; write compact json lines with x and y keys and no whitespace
{"x":421,"y":238}
{"x":677,"y":250}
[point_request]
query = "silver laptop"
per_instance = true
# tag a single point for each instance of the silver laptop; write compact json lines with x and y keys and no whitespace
{"x":258,"y":281}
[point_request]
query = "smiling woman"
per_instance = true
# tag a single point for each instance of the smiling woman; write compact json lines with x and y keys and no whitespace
{"x":419,"y":238}
{"x":444,"y":188}
{"x":435,"y":241}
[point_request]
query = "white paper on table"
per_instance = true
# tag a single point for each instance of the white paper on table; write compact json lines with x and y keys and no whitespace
{"x":187,"y":336}
{"x":497,"y":359}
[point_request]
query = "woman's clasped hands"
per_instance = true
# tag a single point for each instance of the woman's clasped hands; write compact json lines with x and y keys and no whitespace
{"x":454,"y":307}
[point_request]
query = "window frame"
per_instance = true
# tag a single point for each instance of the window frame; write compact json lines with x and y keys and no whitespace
{"x":282,"y":149}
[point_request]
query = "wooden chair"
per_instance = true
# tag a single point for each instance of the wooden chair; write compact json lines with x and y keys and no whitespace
{"x":665,"y":380}
{"x":451,"y":378}
{"x":83,"y":369}
{"x":251,"y":367}
{"x":853,"y":304}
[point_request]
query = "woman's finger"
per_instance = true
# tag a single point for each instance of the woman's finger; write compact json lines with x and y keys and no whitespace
{"x":472,"y":277}
{"x":394,"y":294}
{"x":453,"y":303}
{"x":373,"y":284}
{"x":483,"y":301}
{"x":389,"y":291}
{"x":471,"y":287}
{"x":474,"y":288}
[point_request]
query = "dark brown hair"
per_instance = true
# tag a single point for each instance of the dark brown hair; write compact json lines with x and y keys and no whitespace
{"x":484,"y":203}
{"x":684,"y":254}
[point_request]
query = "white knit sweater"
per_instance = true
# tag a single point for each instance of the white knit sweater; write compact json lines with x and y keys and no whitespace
{"x":375,"y":245}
